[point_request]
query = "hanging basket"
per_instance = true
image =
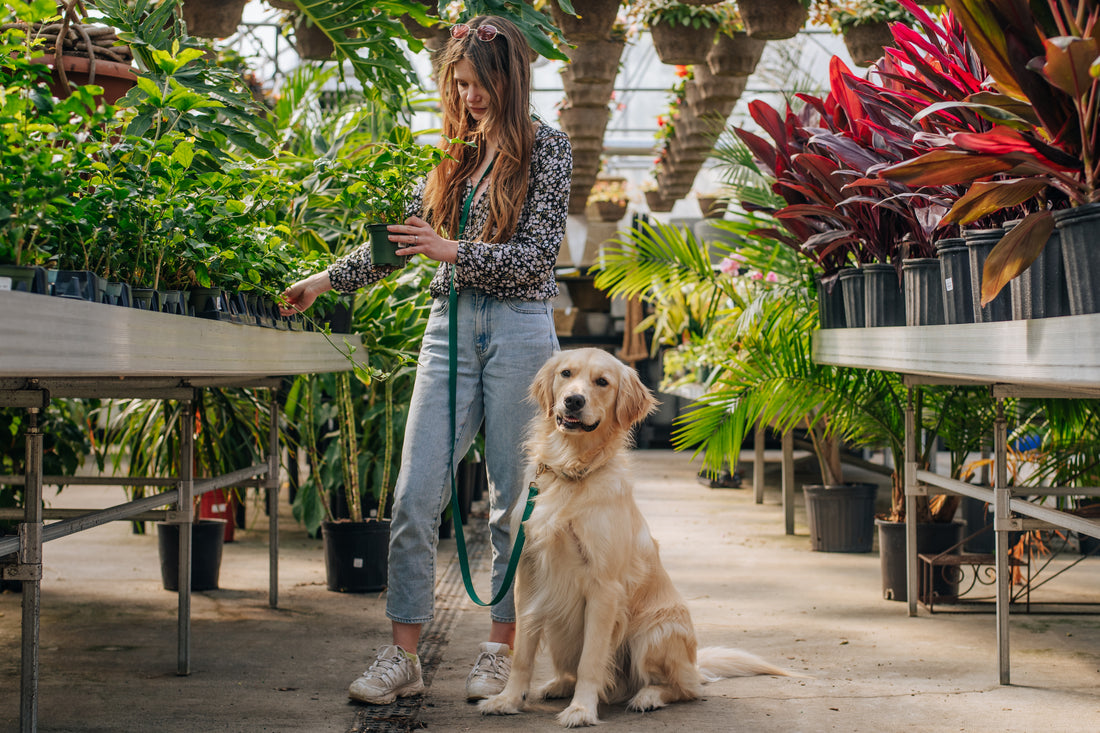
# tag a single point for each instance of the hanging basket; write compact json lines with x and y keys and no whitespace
{"x":592,"y":62}
{"x":772,"y":20}
{"x":311,"y":42}
{"x":865,"y":42}
{"x":593,"y":22}
{"x":212,"y":18}
{"x":584,"y":122}
{"x":656,"y":202}
{"x":734,"y":55}
{"x":586,"y":95}
{"x":682,"y":44}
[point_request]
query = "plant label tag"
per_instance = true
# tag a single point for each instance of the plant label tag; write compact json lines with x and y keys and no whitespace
{"x":357,"y":562}
{"x":948,"y":285}
{"x":5,"y":283}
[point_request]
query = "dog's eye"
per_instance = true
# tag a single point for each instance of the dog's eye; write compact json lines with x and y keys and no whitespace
{"x":600,"y":381}
{"x":566,"y":373}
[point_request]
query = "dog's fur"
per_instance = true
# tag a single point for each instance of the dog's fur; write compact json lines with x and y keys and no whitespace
{"x":590,"y":583}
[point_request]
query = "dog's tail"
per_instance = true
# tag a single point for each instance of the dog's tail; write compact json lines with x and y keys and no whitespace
{"x":717,"y":662}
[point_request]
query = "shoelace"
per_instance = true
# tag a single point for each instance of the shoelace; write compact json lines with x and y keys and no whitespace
{"x":387,"y":669}
{"x":494,"y":667}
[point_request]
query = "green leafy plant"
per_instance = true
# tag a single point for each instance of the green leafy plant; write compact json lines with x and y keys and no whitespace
{"x":843,"y":14}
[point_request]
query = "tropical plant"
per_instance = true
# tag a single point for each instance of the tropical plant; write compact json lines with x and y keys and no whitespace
{"x":1044,"y":59}
{"x":695,"y":15}
{"x":843,"y":14}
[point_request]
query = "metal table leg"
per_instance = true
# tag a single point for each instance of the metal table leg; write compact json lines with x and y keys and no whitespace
{"x":30,"y":568}
{"x":788,"y":482}
{"x":758,"y":465}
{"x":185,"y":515}
{"x":909,"y":482}
{"x":273,"y":502}
{"x":1001,"y":522}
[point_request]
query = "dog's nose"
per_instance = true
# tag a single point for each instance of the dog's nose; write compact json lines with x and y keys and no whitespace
{"x":574,"y":402}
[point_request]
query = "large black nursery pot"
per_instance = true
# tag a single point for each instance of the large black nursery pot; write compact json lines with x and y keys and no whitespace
{"x":980,"y":242}
{"x":1079,"y":228}
{"x":207,"y":540}
{"x":356,"y":555}
{"x":24,"y":279}
{"x":954,"y":257}
{"x":1040,"y":290}
{"x":923,"y":288}
{"x":841,"y":517}
{"x":851,"y":291}
{"x":883,"y":301}
{"x":830,"y":301}
{"x":932,"y":539}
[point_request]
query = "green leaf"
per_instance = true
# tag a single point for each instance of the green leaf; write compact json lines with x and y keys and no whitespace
{"x":1015,"y":253}
{"x":184,"y":153}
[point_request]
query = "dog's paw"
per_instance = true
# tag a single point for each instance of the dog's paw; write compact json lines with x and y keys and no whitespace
{"x":501,"y":704}
{"x":558,"y":688}
{"x":578,"y":716}
{"x":648,"y":698}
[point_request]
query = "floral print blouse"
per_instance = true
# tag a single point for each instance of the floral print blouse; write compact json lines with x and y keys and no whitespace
{"x":523,"y":266}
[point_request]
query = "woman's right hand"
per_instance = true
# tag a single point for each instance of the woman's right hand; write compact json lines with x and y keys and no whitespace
{"x":300,"y":296}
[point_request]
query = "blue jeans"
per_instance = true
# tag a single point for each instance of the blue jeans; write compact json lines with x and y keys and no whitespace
{"x":501,"y":344}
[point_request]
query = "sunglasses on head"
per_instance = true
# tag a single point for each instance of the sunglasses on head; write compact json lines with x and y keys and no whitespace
{"x":484,"y":32}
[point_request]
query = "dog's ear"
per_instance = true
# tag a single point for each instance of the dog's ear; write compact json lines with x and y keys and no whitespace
{"x":542,"y":388}
{"x":634,"y":401}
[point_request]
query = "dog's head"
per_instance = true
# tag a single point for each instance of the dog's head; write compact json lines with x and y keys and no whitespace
{"x":584,"y":389}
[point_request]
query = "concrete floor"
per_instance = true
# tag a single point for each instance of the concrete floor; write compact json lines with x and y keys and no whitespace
{"x":108,"y":635}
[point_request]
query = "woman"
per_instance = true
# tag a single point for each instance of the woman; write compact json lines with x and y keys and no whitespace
{"x":512,"y":175}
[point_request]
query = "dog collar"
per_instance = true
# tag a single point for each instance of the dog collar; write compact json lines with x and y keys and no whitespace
{"x":572,"y":476}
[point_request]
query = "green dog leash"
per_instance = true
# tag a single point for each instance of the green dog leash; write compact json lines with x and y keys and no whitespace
{"x":532,"y":490}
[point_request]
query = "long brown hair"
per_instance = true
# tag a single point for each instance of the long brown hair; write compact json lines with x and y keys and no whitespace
{"x":503,"y":68}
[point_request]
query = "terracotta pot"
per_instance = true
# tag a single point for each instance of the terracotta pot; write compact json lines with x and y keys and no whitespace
{"x":734,"y":55}
{"x":865,"y":42}
{"x":212,"y":18}
{"x":682,"y":44}
{"x":115,"y":78}
{"x":593,"y":22}
{"x":772,"y":20}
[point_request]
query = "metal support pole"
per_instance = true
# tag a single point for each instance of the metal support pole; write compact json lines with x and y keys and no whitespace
{"x":758,"y":464}
{"x":788,"y":482}
{"x":30,"y":562}
{"x":1001,"y":519}
{"x":273,"y":503}
{"x":186,"y":508}
{"x":909,"y":479}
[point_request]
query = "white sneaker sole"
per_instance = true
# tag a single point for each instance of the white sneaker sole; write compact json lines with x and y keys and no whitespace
{"x":413,"y":688}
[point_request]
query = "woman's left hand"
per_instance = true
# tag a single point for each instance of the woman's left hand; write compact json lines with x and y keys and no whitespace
{"x":416,"y":237}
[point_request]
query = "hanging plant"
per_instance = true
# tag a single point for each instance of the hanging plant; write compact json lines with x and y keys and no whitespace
{"x":682,"y":33}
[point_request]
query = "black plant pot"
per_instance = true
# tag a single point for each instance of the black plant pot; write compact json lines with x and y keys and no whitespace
{"x":851,"y":290}
{"x":980,"y":242}
{"x":841,"y":518}
{"x":954,"y":257}
{"x":356,"y":555}
{"x":932,"y":539}
{"x":923,"y":287}
{"x":173,"y":302}
{"x":145,"y":299}
{"x":210,"y":303}
{"x":830,"y":301}
{"x":883,"y":301}
{"x":1040,"y":290}
{"x":80,"y":285}
{"x":1080,"y":232}
{"x":24,"y":279}
{"x":207,"y":540}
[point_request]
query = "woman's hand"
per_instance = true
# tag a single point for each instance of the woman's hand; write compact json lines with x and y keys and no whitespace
{"x":416,"y":237}
{"x":300,"y":296}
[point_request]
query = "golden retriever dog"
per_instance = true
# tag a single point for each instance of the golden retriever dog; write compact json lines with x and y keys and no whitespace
{"x":590,"y":584}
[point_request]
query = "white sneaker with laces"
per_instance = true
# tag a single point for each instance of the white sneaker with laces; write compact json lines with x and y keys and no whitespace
{"x":395,"y":673}
{"x":490,"y":672}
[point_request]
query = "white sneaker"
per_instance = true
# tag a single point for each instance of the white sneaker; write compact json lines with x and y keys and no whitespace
{"x":395,"y":673}
{"x":490,"y":671}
